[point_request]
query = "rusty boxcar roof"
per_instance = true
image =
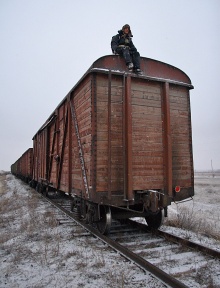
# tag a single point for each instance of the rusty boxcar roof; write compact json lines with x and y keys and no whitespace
{"x":152,"y":70}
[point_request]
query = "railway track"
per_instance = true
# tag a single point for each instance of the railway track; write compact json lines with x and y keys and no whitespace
{"x":174,"y":261}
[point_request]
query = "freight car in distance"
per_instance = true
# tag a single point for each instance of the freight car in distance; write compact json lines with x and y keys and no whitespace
{"x":120,"y":144}
{"x":22,"y":168}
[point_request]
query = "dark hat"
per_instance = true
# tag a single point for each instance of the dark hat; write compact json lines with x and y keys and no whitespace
{"x":126,"y":26}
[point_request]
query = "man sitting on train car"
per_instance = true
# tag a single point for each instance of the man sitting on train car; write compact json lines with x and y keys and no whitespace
{"x":122,"y":44}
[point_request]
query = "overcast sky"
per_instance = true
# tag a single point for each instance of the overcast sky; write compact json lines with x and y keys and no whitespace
{"x":47,"y":45}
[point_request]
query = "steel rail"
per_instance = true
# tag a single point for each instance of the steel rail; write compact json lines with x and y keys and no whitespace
{"x":184,"y":242}
{"x":139,"y":261}
{"x":188,"y":243}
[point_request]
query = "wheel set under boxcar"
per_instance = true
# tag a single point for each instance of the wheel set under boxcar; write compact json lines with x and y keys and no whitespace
{"x":120,"y":144}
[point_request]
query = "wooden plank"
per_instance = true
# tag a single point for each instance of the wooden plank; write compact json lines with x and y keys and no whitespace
{"x":147,"y":118}
{"x":83,"y":88}
{"x":103,"y":118}
{"x":148,"y":182}
{"x":143,"y":110}
{"x":181,"y":137}
{"x":146,"y":86}
{"x":147,"y":135}
{"x":144,"y":102}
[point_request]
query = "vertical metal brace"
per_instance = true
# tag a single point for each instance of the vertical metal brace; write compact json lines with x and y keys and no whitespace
{"x":109,"y":135}
{"x":167,"y":140}
{"x":69,"y":147}
{"x":52,"y":151}
{"x":93,"y":136}
{"x":191,"y":152}
{"x":47,"y":153}
{"x":57,"y":146}
{"x":129,"y":138}
{"x":124,"y":140}
{"x":128,"y":177}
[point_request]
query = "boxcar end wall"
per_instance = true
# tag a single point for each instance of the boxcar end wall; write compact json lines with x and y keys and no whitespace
{"x":116,"y":136}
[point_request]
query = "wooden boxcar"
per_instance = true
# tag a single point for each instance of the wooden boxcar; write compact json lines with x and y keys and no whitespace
{"x":119,"y":143}
{"x":22,"y":168}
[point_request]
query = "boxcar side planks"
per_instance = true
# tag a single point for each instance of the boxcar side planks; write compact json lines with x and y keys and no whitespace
{"x":23,"y":167}
{"x":119,"y":143}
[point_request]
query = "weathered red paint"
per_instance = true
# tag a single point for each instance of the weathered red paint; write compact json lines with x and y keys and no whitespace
{"x":151,"y":68}
{"x":134,"y":135}
{"x":23,"y":167}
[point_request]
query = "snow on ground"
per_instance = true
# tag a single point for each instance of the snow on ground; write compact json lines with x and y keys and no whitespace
{"x":36,"y":252}
{"x":198,"y":219}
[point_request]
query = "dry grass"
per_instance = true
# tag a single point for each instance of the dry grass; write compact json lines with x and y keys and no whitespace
{"x":32,"y":235}
{"x":189,"y":220}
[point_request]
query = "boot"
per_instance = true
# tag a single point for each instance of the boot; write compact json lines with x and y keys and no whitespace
{"x":130,"y":66}
{"x":138,"y":71}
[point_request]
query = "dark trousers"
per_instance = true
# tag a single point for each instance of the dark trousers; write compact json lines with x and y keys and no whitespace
{"x":129,"y":56}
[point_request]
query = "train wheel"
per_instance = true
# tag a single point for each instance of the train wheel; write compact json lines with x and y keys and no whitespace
{"x":75,"y":208}
{"x":154,"y":221}
{"x":38,"y":187}
{"x":44,"y":191}
{"x":105,"y":222}
{"x":32,"y":184}
{"x":90,"y":213}
{"x":76,"y":212}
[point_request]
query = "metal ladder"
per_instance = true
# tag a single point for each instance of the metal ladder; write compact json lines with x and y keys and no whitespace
{"x":81,"y":158}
